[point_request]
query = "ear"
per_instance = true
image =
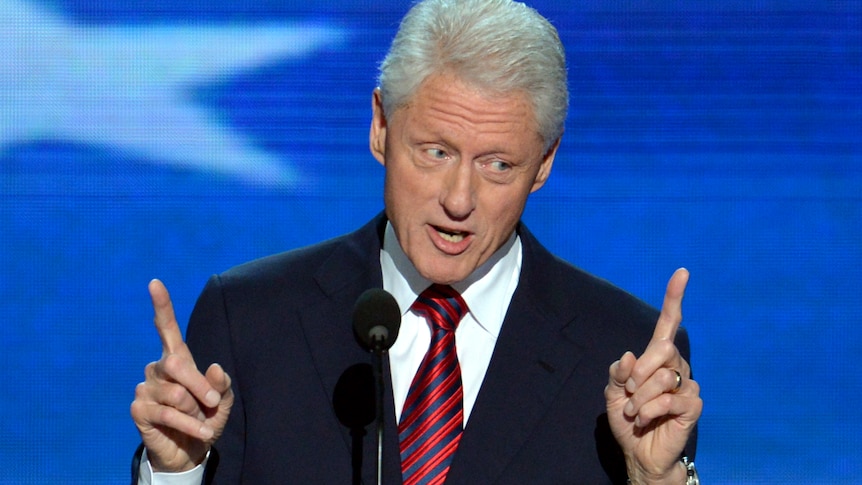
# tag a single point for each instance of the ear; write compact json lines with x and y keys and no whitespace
{"x":545,"y":166}
{"x":377,"y":135}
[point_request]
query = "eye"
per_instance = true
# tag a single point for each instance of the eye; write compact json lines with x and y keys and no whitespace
{"x":499,"y":166}
{"x":436,"y":153}
{"x":498,"y":171}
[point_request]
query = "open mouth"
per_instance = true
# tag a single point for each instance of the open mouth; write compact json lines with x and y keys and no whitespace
{"x":451,"y":236}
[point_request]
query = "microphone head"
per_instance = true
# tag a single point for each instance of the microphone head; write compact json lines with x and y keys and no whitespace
{"x":376,"y":319}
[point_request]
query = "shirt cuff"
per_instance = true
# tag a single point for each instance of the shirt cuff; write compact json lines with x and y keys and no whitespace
{"x":147,"y":476}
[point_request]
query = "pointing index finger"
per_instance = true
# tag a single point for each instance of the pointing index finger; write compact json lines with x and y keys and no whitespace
{"x":671,"y":309}
{"x":165,"y":320}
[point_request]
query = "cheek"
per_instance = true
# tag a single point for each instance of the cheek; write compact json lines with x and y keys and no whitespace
{"x":404,"y":196}
{"x":501,"y":224}
{"x":502,"y":208}
{"x":409,"y":186}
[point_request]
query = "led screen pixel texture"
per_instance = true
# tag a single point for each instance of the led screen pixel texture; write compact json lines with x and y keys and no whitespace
{"x":143,"y":139}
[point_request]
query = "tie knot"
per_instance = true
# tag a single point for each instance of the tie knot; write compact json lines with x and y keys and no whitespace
{"x":442,"y":305}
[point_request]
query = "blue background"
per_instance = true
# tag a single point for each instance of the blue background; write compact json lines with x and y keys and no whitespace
{"x":720,"y":136}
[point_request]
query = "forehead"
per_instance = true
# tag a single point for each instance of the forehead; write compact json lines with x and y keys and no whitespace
{"x":447,"y":105}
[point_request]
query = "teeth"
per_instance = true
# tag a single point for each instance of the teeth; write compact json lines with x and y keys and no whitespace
{"x":451,"y":237}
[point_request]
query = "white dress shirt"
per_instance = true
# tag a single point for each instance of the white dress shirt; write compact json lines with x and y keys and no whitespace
{"x":487,"y":292}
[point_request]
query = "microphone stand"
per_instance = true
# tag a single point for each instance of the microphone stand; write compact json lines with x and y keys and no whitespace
{"x":379,"y":351}
{"x":376,"y":318}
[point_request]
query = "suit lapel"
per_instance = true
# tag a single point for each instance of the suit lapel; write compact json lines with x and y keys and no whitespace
{"x":352,"y":268}
{"x":534,"y":355}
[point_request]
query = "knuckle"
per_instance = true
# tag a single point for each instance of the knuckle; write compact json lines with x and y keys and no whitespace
{"x":665,"y":401}
{"x":639,"y":374}
{"x":173,"y":364}
{"x":698,"y":406}
{"x":180,"y":398}
{"x":666,"y":347}
{"x":695,"y":387}
{"x":141,"y":391}
{"x":165,"y":415}
{"x":228,"y":397}
{"x":685,"y":369}
{"x":136,"y":410}
{"x":176,"y":394}
{"x":151,"y":370}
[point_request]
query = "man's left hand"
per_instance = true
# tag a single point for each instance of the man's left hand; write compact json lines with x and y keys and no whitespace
{"x":653,"y":404}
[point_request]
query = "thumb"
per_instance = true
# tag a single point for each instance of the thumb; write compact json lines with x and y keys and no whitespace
{"x":619,"y":373}
{"x":218,"y":378}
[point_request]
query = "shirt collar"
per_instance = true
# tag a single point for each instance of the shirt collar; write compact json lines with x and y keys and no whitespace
{"x":487,"y":291}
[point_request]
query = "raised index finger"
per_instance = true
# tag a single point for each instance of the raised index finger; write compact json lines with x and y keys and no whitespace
{"x":671,"y":309}
{"x":165,"y":320}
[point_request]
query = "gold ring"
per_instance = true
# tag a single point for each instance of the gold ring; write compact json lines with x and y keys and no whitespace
{"x":678,"y":385}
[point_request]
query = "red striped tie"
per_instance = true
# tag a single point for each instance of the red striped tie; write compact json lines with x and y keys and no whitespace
{"x":433,"y":415}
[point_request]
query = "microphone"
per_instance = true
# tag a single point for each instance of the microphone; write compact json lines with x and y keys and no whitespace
{"x":376,"y":320}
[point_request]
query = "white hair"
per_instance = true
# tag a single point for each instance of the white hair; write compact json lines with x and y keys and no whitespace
{"x":499,"y":46}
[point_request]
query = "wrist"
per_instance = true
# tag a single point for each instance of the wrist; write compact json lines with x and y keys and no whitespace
{"x":677,"y":475}
{"x":177,"y":466}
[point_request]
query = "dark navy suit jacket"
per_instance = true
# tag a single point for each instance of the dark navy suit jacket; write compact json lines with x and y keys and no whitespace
{"x":281,"y":327}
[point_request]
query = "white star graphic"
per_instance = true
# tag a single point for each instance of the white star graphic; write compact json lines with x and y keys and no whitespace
{"x":128,"y":88}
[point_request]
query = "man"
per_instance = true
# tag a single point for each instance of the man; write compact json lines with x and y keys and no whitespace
{"x":467,"y":120}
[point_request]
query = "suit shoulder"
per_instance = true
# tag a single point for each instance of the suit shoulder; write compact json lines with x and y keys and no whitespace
{"x":334,"y":257}
{"x":299,"y":261}
{"x":344,"y":262}
{"x":603,"y":294}
{"x":613,"y":313}
{"x":587,"y":290}
{"x":573,"y":292}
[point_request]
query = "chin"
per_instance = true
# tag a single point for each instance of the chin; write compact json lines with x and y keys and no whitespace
{"x":442,"y":268}
{"x":443,"y":276}
{"x":437,"y":277}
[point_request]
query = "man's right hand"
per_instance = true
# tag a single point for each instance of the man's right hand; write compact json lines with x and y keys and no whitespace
{"x":179,"y":412}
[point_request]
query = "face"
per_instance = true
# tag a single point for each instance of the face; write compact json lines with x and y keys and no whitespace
{"x":459,"y":167}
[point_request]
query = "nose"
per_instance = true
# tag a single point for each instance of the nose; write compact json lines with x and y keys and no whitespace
{"x":458,"y":196}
